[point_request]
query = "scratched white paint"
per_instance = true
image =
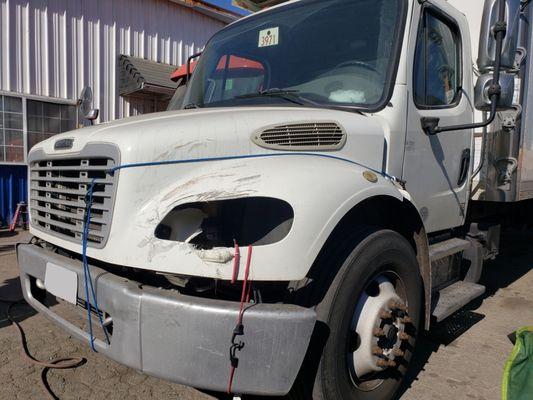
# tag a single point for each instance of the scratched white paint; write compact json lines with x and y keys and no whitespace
{"x":54,"y":48}
{"x":319,"y":203}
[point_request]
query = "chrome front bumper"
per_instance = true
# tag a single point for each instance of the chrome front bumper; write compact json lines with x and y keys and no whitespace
{"x":181,"y":338}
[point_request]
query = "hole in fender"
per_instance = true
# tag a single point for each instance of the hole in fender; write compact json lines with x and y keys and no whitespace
{"x":257,"y":221}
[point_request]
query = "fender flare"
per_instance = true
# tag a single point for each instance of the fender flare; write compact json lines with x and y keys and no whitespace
{"x":419,"y":238}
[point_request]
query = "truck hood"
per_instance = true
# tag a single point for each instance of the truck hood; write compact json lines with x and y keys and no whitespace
{"x":320,"y":186}
{"x":221,"y":132}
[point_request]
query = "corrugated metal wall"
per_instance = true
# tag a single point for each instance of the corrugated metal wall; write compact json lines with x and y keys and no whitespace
{"x":56,"y":47}
{"x":53,"y":48}
{"x":12,"y":191}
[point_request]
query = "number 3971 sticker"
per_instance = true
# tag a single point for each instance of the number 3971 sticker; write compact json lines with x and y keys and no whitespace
{"x":269,"y":37}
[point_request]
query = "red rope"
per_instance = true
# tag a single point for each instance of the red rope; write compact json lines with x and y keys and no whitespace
{"x":245,"y":298}
{"x":244,"y":292}
{"x":236,"y":262}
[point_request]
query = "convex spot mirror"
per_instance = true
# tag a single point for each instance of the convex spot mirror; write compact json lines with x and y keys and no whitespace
{"x":487,"y":39}
{"x":92,"y":114}
{"x":482,"y":96}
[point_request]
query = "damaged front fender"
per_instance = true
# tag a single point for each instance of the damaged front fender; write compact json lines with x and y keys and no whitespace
{"x":319,"y":192}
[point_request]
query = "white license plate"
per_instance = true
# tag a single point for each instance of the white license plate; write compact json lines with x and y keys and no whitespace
{"x":61,"y":282}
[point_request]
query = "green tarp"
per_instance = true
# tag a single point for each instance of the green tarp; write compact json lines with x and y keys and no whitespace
{"x":518,"y":373}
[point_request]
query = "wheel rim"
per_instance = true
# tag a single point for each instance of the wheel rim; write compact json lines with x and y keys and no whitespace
{"x":379,"y":331}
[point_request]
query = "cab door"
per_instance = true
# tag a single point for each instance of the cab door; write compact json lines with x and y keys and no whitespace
{"x":437,"y":168}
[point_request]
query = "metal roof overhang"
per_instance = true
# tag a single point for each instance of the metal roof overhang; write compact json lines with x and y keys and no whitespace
{"x":256,"y":5}
{"x":140,"y":76}
{"x":210,"y":10}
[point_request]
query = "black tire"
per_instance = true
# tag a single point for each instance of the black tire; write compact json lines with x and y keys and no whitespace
{"x":373,"y":253}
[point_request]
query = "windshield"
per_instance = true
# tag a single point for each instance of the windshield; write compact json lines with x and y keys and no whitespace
{"x":326,"y":52}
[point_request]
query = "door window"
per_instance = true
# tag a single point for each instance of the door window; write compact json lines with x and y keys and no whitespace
{"x":437,"y":80}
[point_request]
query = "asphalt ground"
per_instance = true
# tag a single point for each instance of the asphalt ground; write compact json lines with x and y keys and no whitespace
{"x":462,"y":358}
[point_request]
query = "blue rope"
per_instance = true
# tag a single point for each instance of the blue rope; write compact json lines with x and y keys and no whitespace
{"x":88,"y":283}
{"x":111,"y":171}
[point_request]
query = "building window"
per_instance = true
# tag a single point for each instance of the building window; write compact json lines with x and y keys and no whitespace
{"x":48,"y":119}
{"x":11,"y":130}
{"x":24,"y":122}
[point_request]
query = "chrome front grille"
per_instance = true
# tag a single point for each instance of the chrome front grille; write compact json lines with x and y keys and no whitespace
{"x":303,"y":136}
{"x":58,"y":189}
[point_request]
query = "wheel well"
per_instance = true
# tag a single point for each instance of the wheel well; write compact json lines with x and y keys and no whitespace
{"x":380,"y":212}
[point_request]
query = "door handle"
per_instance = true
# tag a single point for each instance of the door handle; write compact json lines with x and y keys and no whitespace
{"x":465,"y":167}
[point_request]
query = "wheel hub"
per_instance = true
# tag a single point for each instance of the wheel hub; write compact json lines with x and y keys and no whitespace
{"x":379,"y":322}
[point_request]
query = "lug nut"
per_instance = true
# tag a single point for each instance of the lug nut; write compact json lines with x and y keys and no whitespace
{"x":386,"y":363}
{"x":403,"y":336}
{"x":384,"y":314}
{"x":377,"y":351}
{"x":378,"y":332}
{"x":398,"y":353}
{"x":396,"y":305}
{"x":406,"y":320}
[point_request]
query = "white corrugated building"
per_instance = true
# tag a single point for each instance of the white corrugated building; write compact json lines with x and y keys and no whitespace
{"x":124,"y":50}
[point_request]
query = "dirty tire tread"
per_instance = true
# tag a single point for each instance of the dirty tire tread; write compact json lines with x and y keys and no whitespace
{"x":346,"y":270}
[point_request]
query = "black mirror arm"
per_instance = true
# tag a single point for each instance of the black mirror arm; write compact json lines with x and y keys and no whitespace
{"x":189,"y":60}
{"x":430,"y":125}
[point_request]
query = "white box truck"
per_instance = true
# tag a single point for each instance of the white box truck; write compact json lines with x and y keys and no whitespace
{"x":309,"y":208}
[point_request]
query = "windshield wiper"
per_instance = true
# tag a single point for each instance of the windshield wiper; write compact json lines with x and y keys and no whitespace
{"x":287,"y":94}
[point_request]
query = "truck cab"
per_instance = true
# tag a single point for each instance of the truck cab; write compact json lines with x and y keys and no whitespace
{"x":301,"y":216}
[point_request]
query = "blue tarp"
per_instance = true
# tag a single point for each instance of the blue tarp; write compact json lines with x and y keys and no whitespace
{"x":13,"y":190}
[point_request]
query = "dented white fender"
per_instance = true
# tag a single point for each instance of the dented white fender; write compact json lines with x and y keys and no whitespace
{"x":318,"y":204}
{"x":321,"y":188}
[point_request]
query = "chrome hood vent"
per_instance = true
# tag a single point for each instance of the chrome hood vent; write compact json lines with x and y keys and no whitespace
{"x":305,"y":136}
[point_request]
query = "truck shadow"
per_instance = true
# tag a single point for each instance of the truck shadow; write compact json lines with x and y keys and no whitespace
{"x":5,"y":233}
{"x":11,"y":292}
{"x":514,"y":261}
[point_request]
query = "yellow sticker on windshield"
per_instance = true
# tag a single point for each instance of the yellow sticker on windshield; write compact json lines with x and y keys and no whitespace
{"x":269,"y":37}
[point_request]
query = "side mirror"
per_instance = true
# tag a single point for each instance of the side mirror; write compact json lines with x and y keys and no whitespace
{"x":483,"y":92}
{"x":487,"y":39}
{"x":497,"y":53}
{"x":487,"y":58}
{"x":85,"y":110}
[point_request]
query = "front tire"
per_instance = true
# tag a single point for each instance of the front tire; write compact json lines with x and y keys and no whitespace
{"x":372,"y":310}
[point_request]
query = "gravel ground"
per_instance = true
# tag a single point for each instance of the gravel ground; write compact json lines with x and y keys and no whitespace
{"x":461,"y":359}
